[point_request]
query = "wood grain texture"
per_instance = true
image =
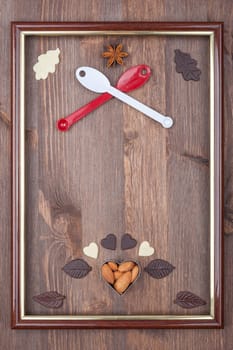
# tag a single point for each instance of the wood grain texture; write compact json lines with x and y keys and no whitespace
{"x":146,"y":201}
{"x":111,"y":10}
{"x":75,"y":205}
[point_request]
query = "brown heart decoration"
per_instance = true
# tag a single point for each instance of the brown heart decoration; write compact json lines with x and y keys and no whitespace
{"x":127,"y":242}
{"x":109,"y":242}
{"x":120,"y":275}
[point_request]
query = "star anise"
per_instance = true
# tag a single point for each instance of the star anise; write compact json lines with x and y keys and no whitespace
{"x":114,"y":55}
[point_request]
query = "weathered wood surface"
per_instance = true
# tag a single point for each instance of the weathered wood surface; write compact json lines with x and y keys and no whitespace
{"x":60,"y":214}
{"x":117,"y":171}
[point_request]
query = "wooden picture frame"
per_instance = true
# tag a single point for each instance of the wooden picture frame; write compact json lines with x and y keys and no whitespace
{"x":214,"y":34}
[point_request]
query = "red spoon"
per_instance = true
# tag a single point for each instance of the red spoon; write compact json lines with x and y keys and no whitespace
{"x":131,"y":79}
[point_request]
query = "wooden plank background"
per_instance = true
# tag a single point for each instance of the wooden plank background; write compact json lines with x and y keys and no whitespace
{"x":117,"y":171}
{"x":104,"y":10}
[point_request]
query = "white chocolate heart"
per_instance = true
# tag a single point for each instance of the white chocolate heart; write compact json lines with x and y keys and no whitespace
{"x":145,"y":249}
{"x":91,"y":250}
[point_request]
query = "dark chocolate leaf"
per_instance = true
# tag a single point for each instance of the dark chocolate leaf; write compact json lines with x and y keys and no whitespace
{"x":50,"y":299}
{"x":77,"y":268}
{"x":159,"y":268}
{"x":188,"y":300}
{"x":187,"y":66}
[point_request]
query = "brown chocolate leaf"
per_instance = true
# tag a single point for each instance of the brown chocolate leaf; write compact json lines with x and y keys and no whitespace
{"x":187,"y":66}
{"x":77,"y":268}
{"x":188,"y":300}
{"x":159,"y":268}
{"x":50,"y":299}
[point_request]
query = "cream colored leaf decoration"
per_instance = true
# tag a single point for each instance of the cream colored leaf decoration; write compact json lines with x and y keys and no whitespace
{"x":46,"y":64}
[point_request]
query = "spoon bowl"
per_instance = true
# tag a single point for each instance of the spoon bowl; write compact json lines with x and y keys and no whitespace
{"x":92,"y":79}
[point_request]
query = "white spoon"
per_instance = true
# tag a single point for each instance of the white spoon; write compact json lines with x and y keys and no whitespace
{"x":94,"y":80}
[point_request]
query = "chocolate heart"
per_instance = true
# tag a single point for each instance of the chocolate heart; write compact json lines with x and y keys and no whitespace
{"x":127,"y":242}
{"x":109,"y":242}
{"x":120,"y":276}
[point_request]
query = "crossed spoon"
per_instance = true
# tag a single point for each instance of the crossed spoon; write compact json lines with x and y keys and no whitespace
{"x":133,"y":78}
{"x":94,"y":80}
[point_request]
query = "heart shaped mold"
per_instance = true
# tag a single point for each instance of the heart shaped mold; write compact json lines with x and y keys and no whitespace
{"x":120,"y":276}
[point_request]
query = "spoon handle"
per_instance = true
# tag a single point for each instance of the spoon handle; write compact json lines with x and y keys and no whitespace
{"x":64,"y":124}
{"x":166,"y":122}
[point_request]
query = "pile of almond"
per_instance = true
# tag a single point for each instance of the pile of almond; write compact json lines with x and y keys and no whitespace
{"x":120,"y":276}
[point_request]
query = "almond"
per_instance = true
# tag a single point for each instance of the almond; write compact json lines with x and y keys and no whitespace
{"x":126,"y":266}
{"x":135,"y":272}
{"x":107,"y":273}
{"x":117,"y":274}
{"x":123,"y":282}
{"x":113,"y":266}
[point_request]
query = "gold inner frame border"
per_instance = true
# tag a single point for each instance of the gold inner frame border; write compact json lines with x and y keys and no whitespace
{"x":23,"y":35}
